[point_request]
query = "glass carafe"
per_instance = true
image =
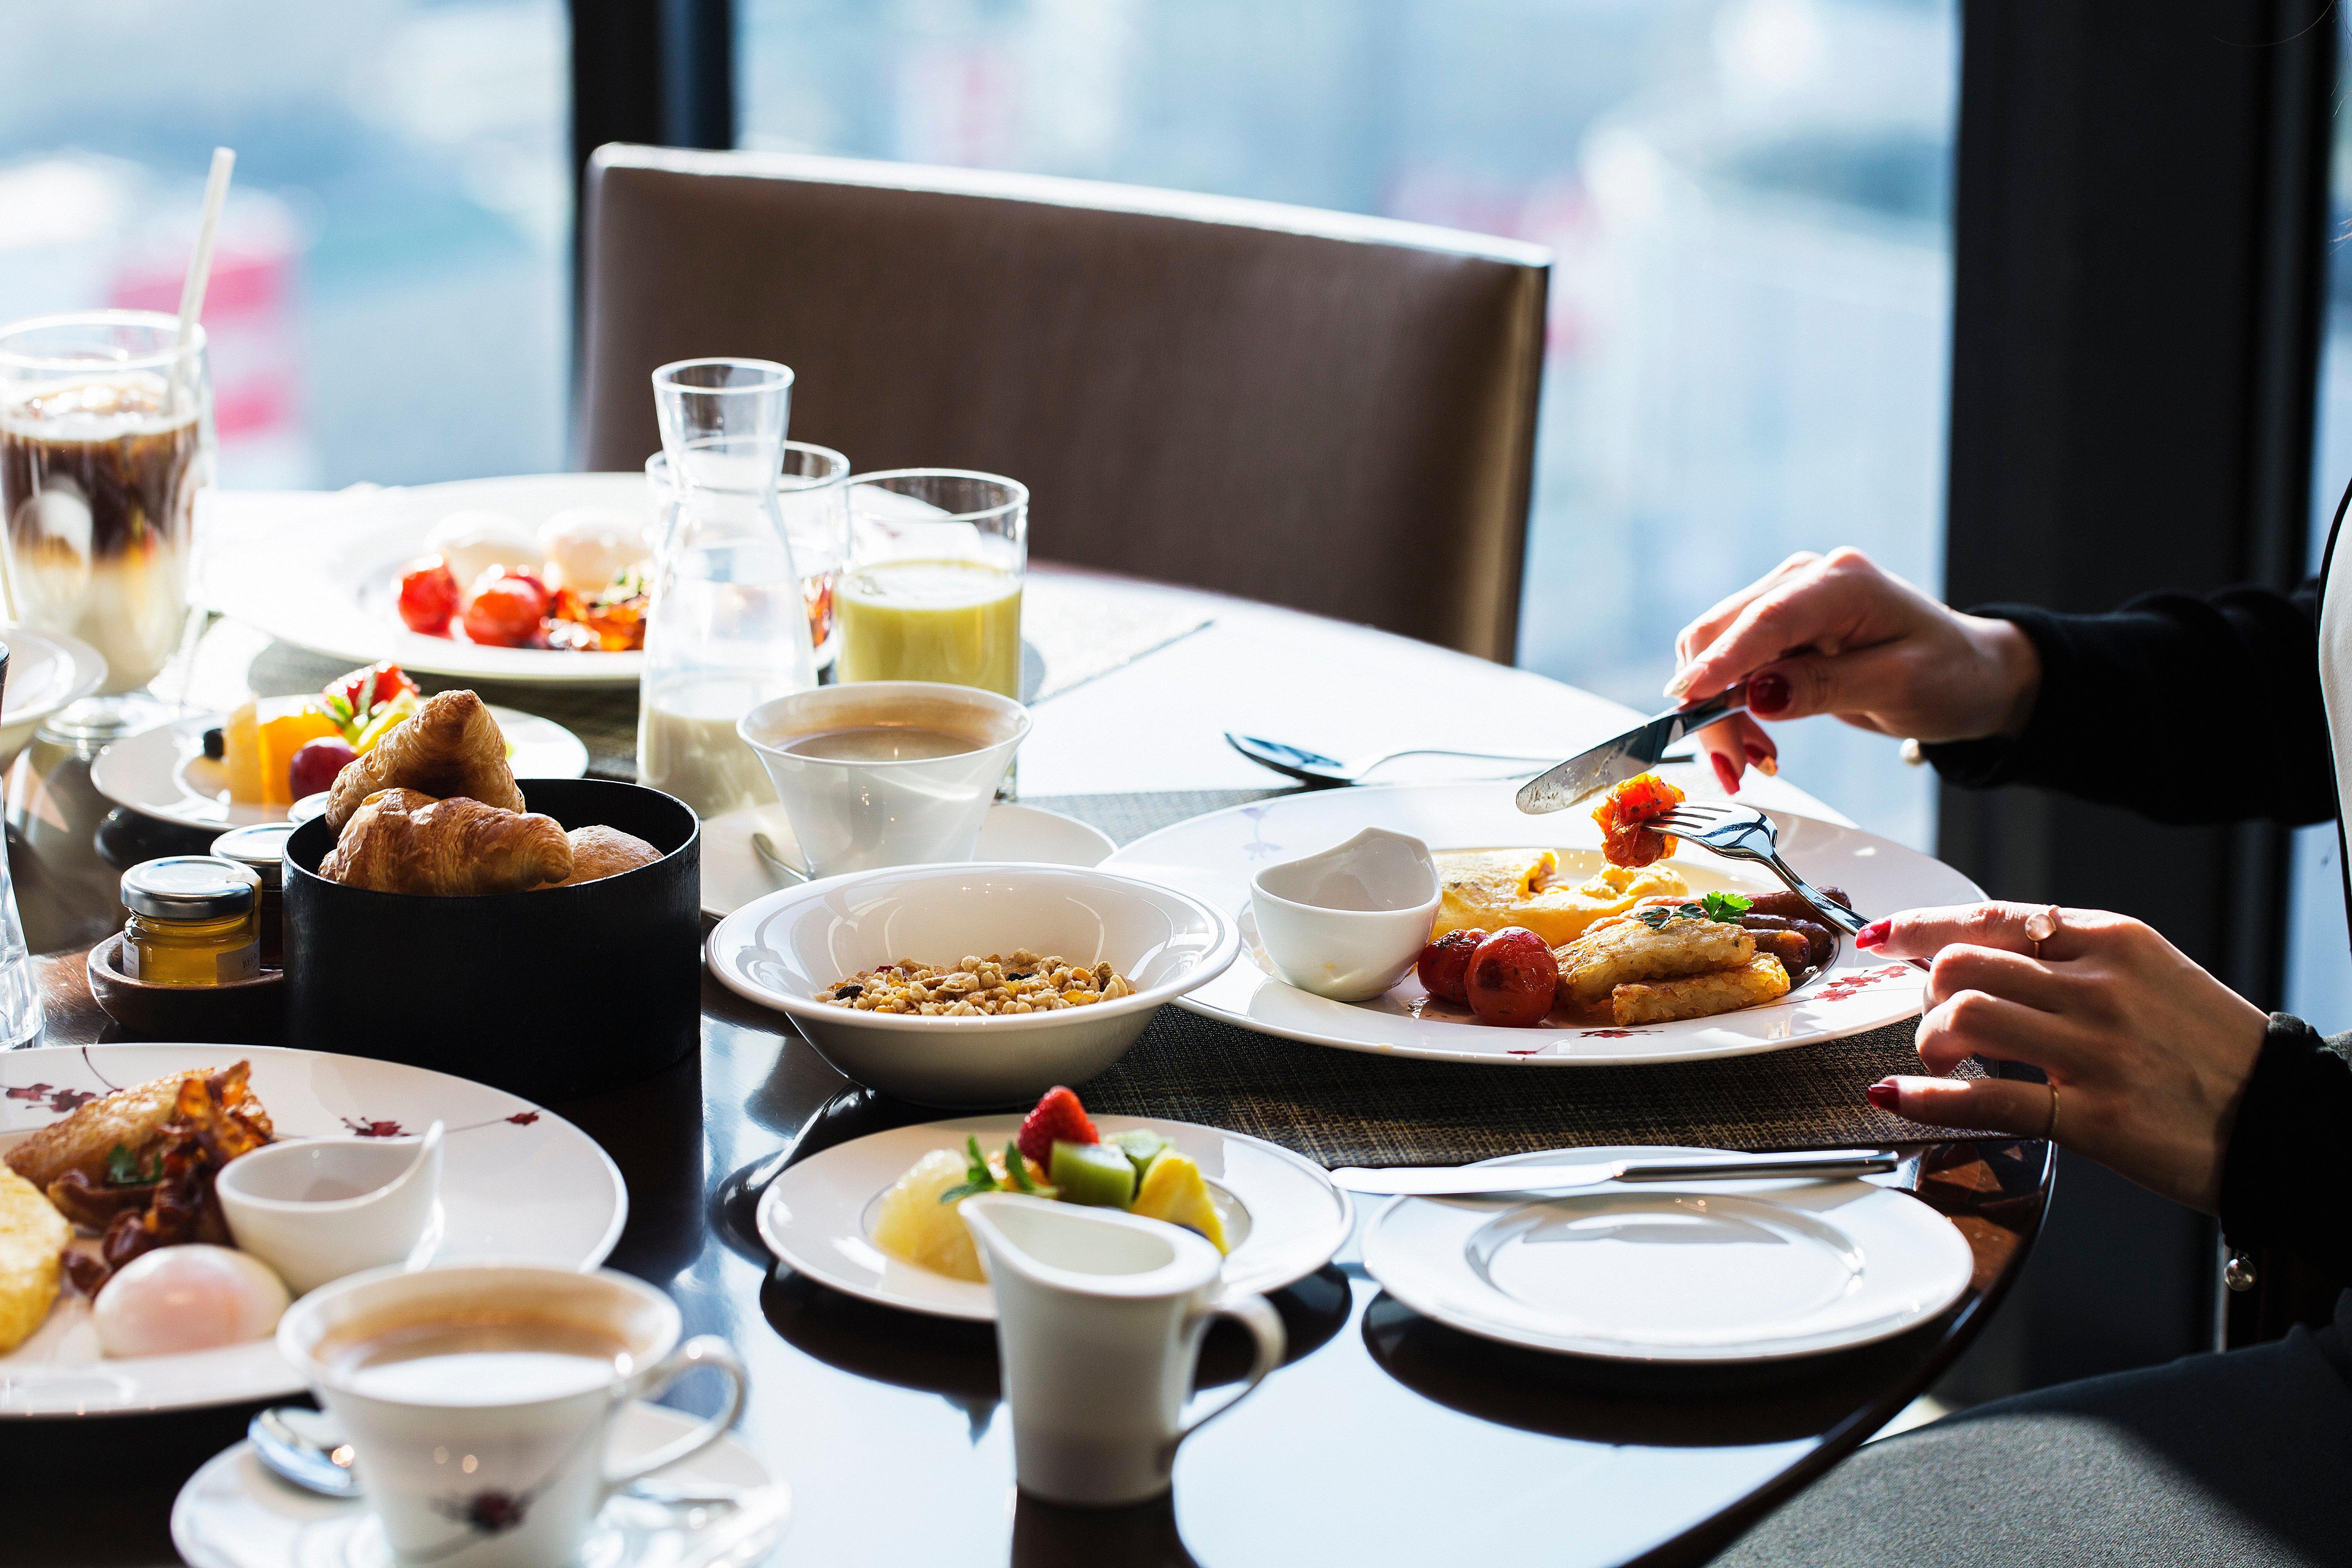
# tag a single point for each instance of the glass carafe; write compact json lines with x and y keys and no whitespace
{"x":727,"y":627}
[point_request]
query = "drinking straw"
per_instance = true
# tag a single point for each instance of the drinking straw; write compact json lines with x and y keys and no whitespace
{"x":200,"y":265}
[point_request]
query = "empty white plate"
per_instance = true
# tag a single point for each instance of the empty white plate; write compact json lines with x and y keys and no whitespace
{"x":1680,"y":1271}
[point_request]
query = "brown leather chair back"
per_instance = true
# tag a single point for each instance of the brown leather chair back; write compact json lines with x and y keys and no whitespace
{"x":1327,"y":412}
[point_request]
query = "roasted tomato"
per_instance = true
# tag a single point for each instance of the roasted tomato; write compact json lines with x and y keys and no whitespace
{"x":428,"y":597}
{"x":1624,"y":840}
{"x":504,"y":607}
{"x":1443,"y":963}
{"x":1511,"y":978}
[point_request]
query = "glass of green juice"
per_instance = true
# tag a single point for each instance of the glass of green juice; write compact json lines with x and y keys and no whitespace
{"x":933,"y":587}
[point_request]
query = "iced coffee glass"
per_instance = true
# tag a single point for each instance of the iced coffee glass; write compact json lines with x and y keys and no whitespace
{"x":105,"y":436}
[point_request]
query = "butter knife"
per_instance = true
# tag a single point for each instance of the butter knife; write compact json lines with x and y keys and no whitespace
{"x":1466,"y":1181}
{"x":1634,"y":751}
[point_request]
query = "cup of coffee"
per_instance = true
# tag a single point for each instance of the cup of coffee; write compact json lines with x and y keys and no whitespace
{"x":886,"y":773}
{"x":1099,"y":1318}
{"x":477,"y":1399}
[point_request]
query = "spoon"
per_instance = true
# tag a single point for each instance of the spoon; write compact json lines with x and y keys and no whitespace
{"x":765,"y":848}
{"x":1319,"y":772}
{"x":306,"y":1447}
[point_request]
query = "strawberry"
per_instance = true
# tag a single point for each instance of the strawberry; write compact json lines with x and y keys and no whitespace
{"x":1058,"y":1115}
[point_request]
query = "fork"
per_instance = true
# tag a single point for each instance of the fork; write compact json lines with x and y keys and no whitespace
{"x":1744,"y":833}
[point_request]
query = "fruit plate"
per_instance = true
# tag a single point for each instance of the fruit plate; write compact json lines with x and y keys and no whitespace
{"x":338,"y":594}
{"x":1688,"y":1271}
{"x":1283,"y":1216}
{"x":1213,"y":858}
{"x":164,"y":772}
{"x":517,"y":1184}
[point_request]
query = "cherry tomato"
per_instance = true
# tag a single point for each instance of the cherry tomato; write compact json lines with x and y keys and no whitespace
{"x":504,"y":608}
{"x":428,"y":597}
{"x":1443,"y":963}
{"x":1512,"y":978}
{"x":315,"y":765}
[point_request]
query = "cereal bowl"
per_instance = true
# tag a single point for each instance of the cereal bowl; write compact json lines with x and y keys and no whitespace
{"x":790,"y":949}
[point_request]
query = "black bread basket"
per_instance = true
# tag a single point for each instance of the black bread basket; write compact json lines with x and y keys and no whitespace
{"x":551,"y":995}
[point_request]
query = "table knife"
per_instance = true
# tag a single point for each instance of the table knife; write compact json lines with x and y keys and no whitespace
{"x":1634,"y":751}
{"x":1466,"y":1181}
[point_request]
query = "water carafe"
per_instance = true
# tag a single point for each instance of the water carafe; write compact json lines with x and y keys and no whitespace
{"x":727,"y":627}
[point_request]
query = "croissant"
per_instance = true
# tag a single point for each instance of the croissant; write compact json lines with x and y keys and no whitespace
{"x":450,"y":746}
{"x":598,"y":852}
{"x":403,"y":842}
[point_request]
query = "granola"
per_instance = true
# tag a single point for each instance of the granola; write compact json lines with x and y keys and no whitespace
{"x":978,"y":987}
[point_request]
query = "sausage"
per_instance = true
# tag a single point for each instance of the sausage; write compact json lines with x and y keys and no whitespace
{"x":1791,"y":907}
{"x":1795,"y":953}
{"x":1820,"y":941}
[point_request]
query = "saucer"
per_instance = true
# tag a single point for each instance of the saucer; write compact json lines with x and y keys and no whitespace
{"x":234,"y":1513}
{"x":733,"y":874}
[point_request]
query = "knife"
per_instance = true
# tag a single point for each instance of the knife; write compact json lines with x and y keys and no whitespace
{"x":1634,"y":751}
{"x":1465,"y":1181}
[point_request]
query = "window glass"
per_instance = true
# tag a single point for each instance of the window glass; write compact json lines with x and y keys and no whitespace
{"x":389,"y":296}
{"x":1748,"y":200}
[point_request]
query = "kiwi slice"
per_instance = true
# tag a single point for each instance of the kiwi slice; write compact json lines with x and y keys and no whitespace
{"x":1096,"y":1174}
{"x":1143,"y":1146}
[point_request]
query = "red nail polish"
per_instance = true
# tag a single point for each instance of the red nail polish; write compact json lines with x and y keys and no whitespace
{"x":1884,"y":1095}
{"x":1729,"y":780}
{"x":1870,"y":935}
{"x":1767,"y":693}
{"x":1756,"y":753}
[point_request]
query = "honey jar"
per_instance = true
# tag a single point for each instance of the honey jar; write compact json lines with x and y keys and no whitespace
{"x":261,"y":849}
{"x":195,"y":920}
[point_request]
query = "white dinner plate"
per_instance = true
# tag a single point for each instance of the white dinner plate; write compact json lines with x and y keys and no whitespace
{"x":340,"y":593}
{"x":733,"y":874}
{"x":1673,"y":1271}
{"x":232,"y":1513}
{"x":1283,"y":1216}
{"x":517,"y":1184}
{"x":47,"y":670}
{"x":164,"y":772}
{"x":1213,"y":858}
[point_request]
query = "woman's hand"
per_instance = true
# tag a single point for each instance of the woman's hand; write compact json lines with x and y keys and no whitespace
{"x":1833,"y":633}
{"x":2149,"y":1053}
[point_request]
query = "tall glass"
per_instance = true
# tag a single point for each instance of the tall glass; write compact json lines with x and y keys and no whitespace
{"x":933,"y":589}
{"x":105,"y":436}
{"x":812,"y":491}
{"x":727,"y":626}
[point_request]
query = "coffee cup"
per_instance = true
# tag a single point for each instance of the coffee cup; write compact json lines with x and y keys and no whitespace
{"x":478,"y":1400}
{"x":1099,"y":1318}
{"x":886,"y":773}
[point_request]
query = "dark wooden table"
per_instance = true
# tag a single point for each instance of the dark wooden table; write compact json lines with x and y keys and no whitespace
{"x":1387,"y":1438}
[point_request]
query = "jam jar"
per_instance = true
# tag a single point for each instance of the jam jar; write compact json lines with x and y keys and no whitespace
{"x":195,"y":920}
{"x":261,"y":849}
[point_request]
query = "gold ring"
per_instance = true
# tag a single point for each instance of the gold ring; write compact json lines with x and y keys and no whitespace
{"x":2040,"y":926}
{"x":2049,"y":1134}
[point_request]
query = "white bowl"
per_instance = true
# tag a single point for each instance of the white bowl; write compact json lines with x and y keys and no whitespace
{"x":782,"y":950}
{"x":1347,"y":923}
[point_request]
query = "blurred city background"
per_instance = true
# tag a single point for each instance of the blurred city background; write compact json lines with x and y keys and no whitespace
{"x":1749,"y":200}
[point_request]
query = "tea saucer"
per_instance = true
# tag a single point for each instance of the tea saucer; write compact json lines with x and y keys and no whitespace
{"x":1686,"y":1271}
{"x":732,"y":874}
{"x":234,"y":1513}
{"x":164,"y":772}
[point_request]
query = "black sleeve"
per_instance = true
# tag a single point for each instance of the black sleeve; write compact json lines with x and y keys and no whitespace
{"x":2185,"y":708}
{"x":2286,"y":1178}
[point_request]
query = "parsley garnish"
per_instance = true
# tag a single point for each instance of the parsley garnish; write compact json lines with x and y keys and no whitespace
{"x":124,"y":1169}
{"x":1714,"y":907}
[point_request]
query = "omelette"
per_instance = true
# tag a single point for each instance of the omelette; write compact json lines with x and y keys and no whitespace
{"x":1486,"y":889}
{"x":32,"y":1238}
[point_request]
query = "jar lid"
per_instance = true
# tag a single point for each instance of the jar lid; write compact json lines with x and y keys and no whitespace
{"x":260,"y":845}
{"x":189,"y":887}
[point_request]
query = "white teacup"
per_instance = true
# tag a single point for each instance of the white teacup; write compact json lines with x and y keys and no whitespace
{"x":316,"y":1209}
{"x":863,"y":813}
{"x":1099,"y":1318}
{"x":477,"y":1399}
